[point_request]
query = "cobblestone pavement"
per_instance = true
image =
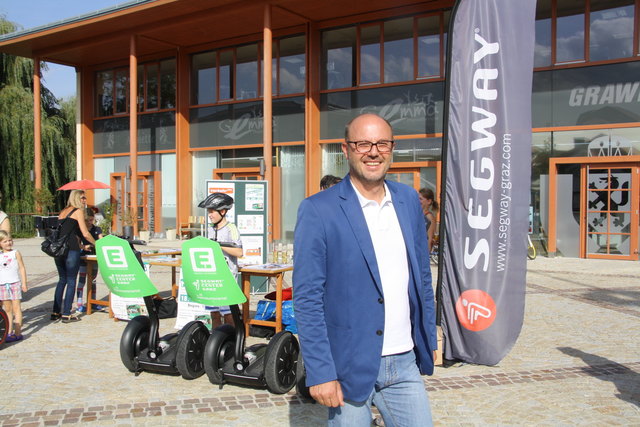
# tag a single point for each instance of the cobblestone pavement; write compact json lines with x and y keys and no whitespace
{"x":576,"y":362}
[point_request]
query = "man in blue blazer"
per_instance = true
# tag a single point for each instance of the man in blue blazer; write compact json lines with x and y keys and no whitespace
{"x":362,"y":289}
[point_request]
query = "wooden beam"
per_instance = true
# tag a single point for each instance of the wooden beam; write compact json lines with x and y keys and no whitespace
{"x":267,"y":117}
{"x":133,"y":131}
{"x":37,"y":126}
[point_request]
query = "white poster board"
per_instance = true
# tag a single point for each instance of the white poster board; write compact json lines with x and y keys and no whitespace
{"x":189,"y":310}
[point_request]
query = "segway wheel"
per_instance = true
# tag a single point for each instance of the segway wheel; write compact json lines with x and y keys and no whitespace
{"x":4,"y":324}
{"x":219,"y":349}
{"x":134,"y":339}
{"x":190,"y":352}
{"x":301,"y":378}
{"x":280,"y":363}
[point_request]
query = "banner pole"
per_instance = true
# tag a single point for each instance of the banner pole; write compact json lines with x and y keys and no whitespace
{"x":443,"y":178}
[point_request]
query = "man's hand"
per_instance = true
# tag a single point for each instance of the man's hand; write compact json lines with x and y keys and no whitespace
{"x":328,"y":394}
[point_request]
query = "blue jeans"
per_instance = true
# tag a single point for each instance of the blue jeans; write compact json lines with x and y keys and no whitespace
{"x":399,"y":394}
{"x":68,"y":273}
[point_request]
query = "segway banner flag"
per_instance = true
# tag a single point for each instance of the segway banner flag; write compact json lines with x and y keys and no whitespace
{"x":121,"y":270}
{"x":206,"y":275}
{"x":487,"y":168}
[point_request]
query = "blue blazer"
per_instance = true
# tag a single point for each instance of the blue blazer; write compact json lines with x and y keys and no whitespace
{"x":338,"y":298}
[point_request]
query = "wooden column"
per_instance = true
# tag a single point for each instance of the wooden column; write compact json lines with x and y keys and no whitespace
{"x":184,"y":169}
{"x":267,"y":117}
{"x":313,"y":150}
{"x":133,"y":130}
{"x":37,"y":126}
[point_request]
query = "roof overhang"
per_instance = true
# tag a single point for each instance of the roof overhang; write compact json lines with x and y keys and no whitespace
{"x":164,"y":25}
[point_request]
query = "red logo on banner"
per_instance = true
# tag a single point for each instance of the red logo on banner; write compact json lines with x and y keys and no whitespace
{"x":476,"y":310}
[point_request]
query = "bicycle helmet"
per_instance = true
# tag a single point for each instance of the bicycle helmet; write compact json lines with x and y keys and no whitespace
{"x":217,"y":201}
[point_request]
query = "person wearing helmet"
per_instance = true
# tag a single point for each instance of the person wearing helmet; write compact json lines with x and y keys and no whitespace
{"x":223,"y":232}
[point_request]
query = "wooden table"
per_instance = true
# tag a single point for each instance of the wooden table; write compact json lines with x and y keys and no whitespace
{"x":91,"y":260}
{"x":265,"y":270}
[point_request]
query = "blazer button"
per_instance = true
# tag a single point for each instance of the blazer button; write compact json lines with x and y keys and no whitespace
{"x":380,"y":300}
{"x":378,"y":332}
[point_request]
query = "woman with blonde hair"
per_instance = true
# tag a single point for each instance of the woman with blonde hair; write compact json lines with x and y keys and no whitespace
{"x":430,"y":209}
{"x":72,"y":223}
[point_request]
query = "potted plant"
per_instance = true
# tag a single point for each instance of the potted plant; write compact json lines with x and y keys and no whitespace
{"x":128,"y":220}
{"x":106,"y":221}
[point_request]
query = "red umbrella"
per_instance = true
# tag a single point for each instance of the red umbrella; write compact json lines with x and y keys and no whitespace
{"x":84,"y":184}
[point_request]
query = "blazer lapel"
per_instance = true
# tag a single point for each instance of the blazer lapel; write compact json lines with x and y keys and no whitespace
{"x":406,"y":225}
{"x":353,"y":211}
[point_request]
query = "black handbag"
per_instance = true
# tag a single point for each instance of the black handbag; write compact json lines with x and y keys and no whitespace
{"x":57,"y":245}
{"x":166,"y":307}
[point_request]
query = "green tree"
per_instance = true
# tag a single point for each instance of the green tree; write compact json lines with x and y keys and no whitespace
{"x":16,"y":134}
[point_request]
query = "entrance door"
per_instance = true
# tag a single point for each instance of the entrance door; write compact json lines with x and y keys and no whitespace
{"x":149,"y":201}
{"x":238,"y":173}
{"x":418,"y":175}
{"x":610,"y":221}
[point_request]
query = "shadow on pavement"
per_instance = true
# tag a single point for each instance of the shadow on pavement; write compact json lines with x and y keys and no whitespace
{"x":626,"y":380}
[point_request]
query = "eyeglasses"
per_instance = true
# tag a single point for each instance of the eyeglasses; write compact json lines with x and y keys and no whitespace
{"x":83,"y":198}
{"x":383,"y":146}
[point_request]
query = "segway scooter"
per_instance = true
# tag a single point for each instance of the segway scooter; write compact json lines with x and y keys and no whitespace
{"x":4,"y":323}
{"x":141,"y":346}
{"x":226,"y":359}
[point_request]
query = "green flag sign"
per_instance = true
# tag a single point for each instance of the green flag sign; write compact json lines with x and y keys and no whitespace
{"x":206,"y":275}
{"x":120,"y":269}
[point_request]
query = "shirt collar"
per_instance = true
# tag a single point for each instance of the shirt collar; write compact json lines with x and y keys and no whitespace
{"x":364,"y":201}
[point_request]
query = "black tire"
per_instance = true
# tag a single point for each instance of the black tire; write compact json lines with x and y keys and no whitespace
{"x":4,"y":323}
{"x":280,"y":363}
{"x":190,"y":351}
{"x":219,"y":349}
{"x":134,"y":339}
{"x":301,"y":378}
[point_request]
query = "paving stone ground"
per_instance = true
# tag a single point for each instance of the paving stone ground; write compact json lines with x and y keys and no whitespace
{"x":576,"y":362}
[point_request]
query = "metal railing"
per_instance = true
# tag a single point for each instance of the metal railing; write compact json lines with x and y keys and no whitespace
{"x":22,"y":224}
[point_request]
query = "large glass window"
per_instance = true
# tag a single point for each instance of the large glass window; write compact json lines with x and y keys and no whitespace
{"x":292,"y":69}
{"x":370,"y":54}
{"x":122,"y":88}
{"x":292,"y":163}
{"x":611,"y":29}
{"x":104,"y":93}
{"x":242,"y":123}
{"x":157,"y":85}
{"x":338,"y":55}
{"x":542,"y":52}
{"x":226,"y":75}
{"x":429,"y":46}
{"x":203,"y":78}
{"x":398,"y":50}
{"x":247,"y":72}
{"x":413,"y":109}
{"x":203,"y":164}
{"x":570,"y":31}
{"x":592,"y":95}
{"x":168,"y":84}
